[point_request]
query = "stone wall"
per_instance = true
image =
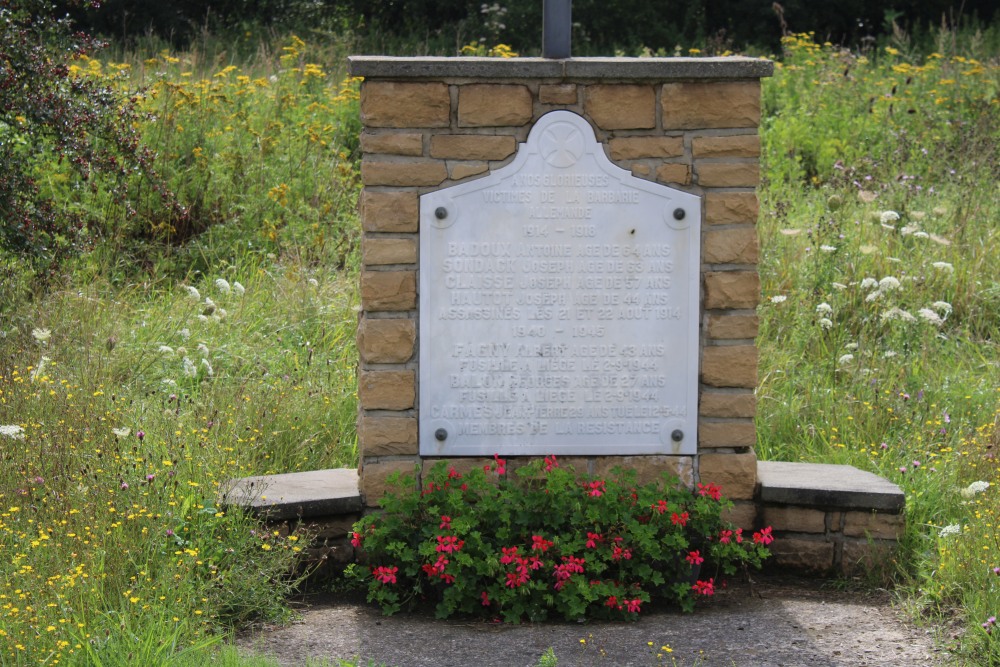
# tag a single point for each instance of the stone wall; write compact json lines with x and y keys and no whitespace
{"x":690,"y":123}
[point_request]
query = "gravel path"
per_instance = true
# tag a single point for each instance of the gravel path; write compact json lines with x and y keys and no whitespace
{"x":786,"y":622}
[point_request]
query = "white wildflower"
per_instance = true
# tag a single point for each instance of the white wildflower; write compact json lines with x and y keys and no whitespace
{"x":869,"y":283}
{"x":918,"y":215}
{"x":190,"y":369}
{"x":974,"y":488}
{"x":313,"y":282}
{"x":824,"y":309}
{"x":839,"y":286}
{"x":222,"y":285}
{"x":888,"y":283}
{"x":121,"y":432}
{"x":851,"y":346}
{"x":41,"y":335}
{"x":778,"y":298}
{"x":169,"y":382}
{"x":906,"y":230}
{"x":953,"y":529}
{"x":221,"y":313}
{"x":209,"y":306}
{"x":202,"y":318}
{"x":921,"y":235}
{"x":208,"y":367}
{"x":184,"y":333}
{"x":182,"y":352}
{"x":828,"y":248}
{"x":40,"y":368}
{"x":239,"y":289}
{"x":203,"y":349}
{"x":874,"y":296}
{"x":897,"y":314}
{"x":889,"y":354}
{"x":942,"y":307}
{"x":888,"y":216}
{"x":166,"y":349}
{"x":12,"y":431}
{"x":939,"y":211}
{"x":193,"y":292}
{"x":825,"y":323}
{"x":845,"y":359}
{"x":944,"y":266}
{"x":930,"y":316}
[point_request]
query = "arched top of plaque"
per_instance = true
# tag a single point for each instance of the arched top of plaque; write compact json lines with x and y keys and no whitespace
{"x":559,"y":306}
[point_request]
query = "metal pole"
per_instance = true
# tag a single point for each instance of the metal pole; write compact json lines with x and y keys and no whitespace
{"x":557,"y":26}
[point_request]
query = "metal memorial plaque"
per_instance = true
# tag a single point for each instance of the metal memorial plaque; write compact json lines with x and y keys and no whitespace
{"x":559,"y":307}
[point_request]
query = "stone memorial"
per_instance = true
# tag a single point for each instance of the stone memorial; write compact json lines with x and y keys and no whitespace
{"x":559,"y":302}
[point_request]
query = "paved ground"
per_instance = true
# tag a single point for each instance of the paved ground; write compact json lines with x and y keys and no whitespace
{"x":777,"y":622}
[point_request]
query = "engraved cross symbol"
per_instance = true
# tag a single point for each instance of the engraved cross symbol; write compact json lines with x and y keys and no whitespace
{"x":561,"y":145}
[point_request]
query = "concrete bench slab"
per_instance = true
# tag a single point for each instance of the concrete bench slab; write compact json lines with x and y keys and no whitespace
{"x":296,"y":495}
{"x":826,"y":485}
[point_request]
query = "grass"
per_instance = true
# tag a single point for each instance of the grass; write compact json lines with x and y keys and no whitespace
{"x":881,"y":310}
{"x":878,"y":339}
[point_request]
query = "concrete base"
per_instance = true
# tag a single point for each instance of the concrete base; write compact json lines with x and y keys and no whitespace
{"x":827,"y":519}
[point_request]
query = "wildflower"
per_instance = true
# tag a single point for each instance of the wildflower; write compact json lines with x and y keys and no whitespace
{"x":930,"y":316}
{"x":825,"y":323}
{"x":874,"y":296}
{"x":996,"y":571}
{"x":203,"y":349}
{"x":824,"y":309}
{"x":897,"y":314}
{"x":974,"y":488}
{"x":888,"y":216}
{"x":121,"y":432}
{"x":313,"y":282}
{"x":165,"y":349}
{"x":952,"y":529}
{"x":190,"y":369}
{"x":222,"y":285}
{"x":869,"y":283}
{"x":140,"y":435}
{"x":239,"y":289}
{"x":845,"y":359}
{"x":778,"y":298}
{"x":942,"y":307}
{"x":193,"y":292}
{"x":988,"y":625}
{"x":889,"y":354}
{"x":839,"y":286}
{"x":124,"y":485}
{"x":181,"y":351}
{"x":850,"y":346}
{"x":184,"y":333}
{"x":828,"y":248}
{"x":944,"y":266}
{"x":888,"y":283}
{"x":12,"y":431}
{"x":921,"y":235}
{"x":41,"y":335}
{"x":208,"y":366}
